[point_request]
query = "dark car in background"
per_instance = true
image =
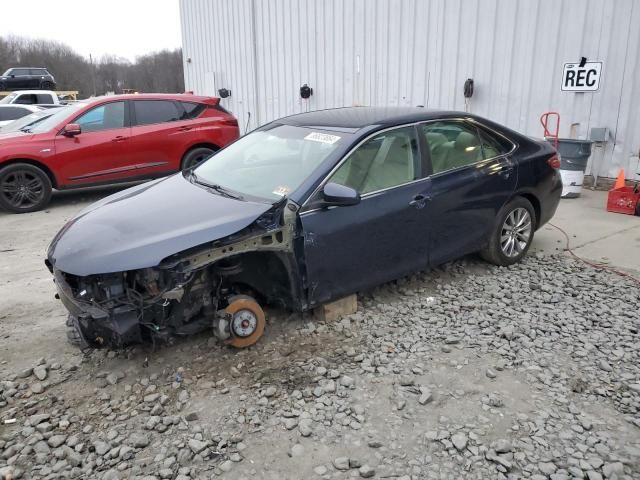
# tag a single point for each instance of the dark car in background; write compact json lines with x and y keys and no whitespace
{"x":301,"y":211}
{"x":27,"y":77}
{"x":107,"y":140}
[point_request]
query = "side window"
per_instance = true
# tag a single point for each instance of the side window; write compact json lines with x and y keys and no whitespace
{"x":155,"y":111}
{"x":191,"y":110}
{"x":104,"y":117}
{"x":384,"y":161}
{"x":26,"y":99}
{"x":19,"y":72}
{"x":493,"y":145}
{"x":452,"y":144}
{"x":12,"y":113}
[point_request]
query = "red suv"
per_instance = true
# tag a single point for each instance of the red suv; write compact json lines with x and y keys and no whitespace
{"x":109,"y":140}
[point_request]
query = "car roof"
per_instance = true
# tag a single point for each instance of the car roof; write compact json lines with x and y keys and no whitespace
{"x":20,"y":92}
{"x":157,"y":96}
{"x":33,"y":108}
{"x":39,"y":68}
{"x":359,"y":117}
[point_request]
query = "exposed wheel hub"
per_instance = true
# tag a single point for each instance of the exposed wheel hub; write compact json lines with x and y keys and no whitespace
{"x":244,"y":323}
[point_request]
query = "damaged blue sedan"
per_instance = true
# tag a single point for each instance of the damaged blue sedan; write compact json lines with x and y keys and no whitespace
{"x":301,"y":211}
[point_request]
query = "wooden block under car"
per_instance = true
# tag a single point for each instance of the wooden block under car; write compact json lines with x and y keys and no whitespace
{"x":330,"y":312}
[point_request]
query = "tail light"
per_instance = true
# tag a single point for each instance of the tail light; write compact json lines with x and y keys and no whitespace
{"x":554,"y":161}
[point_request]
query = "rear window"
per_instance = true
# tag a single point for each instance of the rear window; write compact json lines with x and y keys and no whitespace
{"x":192,"y":110}
{"x":45,"y":98}
{"x":38,"y":71}
{"x":493,"y":145}
{"x":148,"y":112}
{"x":12,"y":113}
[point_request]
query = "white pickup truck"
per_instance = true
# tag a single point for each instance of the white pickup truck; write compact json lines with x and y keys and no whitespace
{"x":42,"y":98}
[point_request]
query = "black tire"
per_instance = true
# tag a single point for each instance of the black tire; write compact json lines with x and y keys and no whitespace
{"x":196,"y":156}
{"x":498,"y":250}
{"x":24,"y":188}
{"x":73,"y":334}
{"x":48,"y":86}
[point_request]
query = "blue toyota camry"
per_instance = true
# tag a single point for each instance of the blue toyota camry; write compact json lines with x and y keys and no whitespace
{"x":306,"y":209}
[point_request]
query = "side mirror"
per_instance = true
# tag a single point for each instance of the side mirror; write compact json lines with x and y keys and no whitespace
{"x":340,"y":195}
{"x":12,"y":76}
{"x":71,"y":130}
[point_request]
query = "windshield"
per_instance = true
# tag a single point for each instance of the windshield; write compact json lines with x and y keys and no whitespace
{"x":9,"y":98}
{"x":57,"y":117}
{"x":269,"y":164}
{"x":29,"y":121}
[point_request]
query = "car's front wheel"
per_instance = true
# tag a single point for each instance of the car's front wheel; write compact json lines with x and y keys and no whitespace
{"x":196,"y":156}
{"x":24,"y":188}
{"x":512,"y":234}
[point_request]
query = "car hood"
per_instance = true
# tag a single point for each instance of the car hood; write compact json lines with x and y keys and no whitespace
{"x":141,"y":226}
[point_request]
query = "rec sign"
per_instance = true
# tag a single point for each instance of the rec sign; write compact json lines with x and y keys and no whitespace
{"x":581,"y":77}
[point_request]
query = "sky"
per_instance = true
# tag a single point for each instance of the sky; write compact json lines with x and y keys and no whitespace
{"x":125,"y":28}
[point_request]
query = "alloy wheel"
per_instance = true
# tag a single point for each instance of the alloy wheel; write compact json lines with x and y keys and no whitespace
{"x":22,"y":189}
{"x":516,"y":232}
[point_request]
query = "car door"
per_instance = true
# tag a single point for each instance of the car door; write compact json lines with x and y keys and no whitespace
{"x":473,"y":176}
{"x":18,"y":78}
{"x":98,"y":154}
{"x":384,"y":236}
{"x":159,"y":135}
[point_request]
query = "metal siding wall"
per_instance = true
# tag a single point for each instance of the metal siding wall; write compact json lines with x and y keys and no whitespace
{"x":420,"y":52}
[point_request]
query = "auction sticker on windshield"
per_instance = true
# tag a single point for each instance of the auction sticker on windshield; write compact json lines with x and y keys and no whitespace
{"x":282,"y":191}
{"x":322,"y":138}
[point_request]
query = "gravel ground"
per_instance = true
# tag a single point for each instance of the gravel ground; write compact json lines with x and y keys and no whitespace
{"x":469,"y":371}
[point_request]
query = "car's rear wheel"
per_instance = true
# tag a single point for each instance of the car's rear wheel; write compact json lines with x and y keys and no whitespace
{"x":24,"y":188}
{"x":247,"y":321}
{"x":48,"y":86}
{"x":512,"y":234}
{"x":196,"y":156}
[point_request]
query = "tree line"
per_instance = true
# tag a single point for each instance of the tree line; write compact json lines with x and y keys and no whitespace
{"x":158,"y":72}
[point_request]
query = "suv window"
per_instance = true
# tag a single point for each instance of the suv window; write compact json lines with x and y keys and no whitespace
{"x":192,"y":110}
{"x":103,"y":117}
{"x":386,"y":160}
{"x":12,"y":113}
{"x":155,"y":111}
{"x":452,"y":144}
{"x":19,"y":71}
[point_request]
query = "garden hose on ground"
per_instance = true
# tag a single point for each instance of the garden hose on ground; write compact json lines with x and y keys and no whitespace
{"x":594,"y":265}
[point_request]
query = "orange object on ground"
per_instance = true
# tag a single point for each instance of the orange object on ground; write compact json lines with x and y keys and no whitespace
{"x":623,"y":200}
{"x":619,"y":180}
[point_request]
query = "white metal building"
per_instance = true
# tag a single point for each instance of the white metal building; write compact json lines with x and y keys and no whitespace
{"x":420,"y":52}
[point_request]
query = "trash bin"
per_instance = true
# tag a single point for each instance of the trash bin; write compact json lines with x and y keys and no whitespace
{"x":574,"y":155}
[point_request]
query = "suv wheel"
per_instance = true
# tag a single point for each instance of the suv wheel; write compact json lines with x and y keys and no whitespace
{"x":512,"y":234}
{"x":24,"y":188}
{"x":196,"y":156}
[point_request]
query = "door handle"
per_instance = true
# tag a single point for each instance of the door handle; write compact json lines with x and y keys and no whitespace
{"x":119,"y":138}
{"x":184,"y":129}
{"x":505,"y":172}
{"x":419,"y":201}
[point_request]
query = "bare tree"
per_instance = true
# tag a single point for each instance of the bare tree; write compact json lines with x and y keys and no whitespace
{"x":155,"y":72}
